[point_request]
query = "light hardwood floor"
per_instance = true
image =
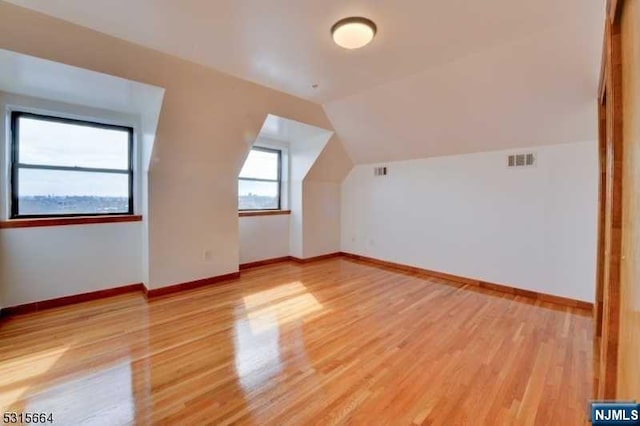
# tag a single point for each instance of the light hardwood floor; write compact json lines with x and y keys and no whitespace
{"x":330,"y":342}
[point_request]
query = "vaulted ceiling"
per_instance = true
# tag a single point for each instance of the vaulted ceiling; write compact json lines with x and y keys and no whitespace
{"x":440,"y":77}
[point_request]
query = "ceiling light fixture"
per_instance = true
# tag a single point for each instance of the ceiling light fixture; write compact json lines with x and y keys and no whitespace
{"x":354,"y":32}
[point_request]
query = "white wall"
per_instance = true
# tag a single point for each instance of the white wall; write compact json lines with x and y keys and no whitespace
{"x":296,"y":230}
{"x":263,"y":237}
{"x":314,"y":223}
{"x":268,"y":237}
{"x":321,"y":207}
{"x":40,"y":82}
{"x":307,"y":143}
{"x":469,"y":215}
{"x":50,"y":262}
{"x":207,"y":124}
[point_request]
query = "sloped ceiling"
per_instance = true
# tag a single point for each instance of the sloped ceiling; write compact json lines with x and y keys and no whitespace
{"x":39,"y":78}
{"x":305,"y":142}
{"x":440,"y":77}
{"x":30,"y":76}
{"x":538,"y":90}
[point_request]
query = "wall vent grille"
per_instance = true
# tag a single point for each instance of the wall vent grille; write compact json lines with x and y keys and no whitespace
{"x":521,"y":160}
{"x":380,"y":171}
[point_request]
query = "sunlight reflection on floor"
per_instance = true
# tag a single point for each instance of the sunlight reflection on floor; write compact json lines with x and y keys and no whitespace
{"x":108,"y":390}
{"x":285,"y":303}
{"x":265,"y":297}
{"x":257,"y":331}
{"x":22,"y":369}
{"x":257,"y":357}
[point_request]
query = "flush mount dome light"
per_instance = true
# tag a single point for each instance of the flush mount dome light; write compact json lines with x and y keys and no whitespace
{"x":353,"y":32}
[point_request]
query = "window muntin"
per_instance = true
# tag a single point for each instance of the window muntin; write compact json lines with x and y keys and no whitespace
{"x":259,"y":183}
{"x":65,"y":167}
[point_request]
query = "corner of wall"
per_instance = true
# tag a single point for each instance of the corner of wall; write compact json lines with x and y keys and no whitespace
{"x":333,"y":163}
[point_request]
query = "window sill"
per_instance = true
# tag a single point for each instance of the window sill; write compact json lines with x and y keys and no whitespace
{"x":65,"y":221}
{"x":249,"y":213}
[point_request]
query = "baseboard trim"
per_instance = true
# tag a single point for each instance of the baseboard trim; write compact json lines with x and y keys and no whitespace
{"x":558,"y":300}
{"x":316,"y":258}
{"x":152,"y":293}
{"x":70,"y":300}
{"x":274,"y":260}
{"x":162,"y":291}
{"x":258,"y":263}
{"x":223,"y":279}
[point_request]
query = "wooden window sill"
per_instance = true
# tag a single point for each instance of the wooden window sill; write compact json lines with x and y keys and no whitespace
{"x":65,"y":221}
{"x":263,"y":213}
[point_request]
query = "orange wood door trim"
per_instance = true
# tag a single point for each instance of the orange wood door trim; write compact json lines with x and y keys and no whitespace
{"x":613,"y":10}
{"x":607,"y":325}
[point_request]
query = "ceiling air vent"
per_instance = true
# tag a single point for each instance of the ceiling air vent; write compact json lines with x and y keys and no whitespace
{"x":521,"y":160}
{"x":379,"y":171}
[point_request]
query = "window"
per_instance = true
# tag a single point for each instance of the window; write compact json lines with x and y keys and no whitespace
{"x":259,"y":182}
{"x":63,"y":167}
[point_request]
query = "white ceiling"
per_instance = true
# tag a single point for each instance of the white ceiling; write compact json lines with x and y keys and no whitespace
{"x":540,"y":90}
{"x":441,"y":77}
{"x":39,"y":78}
{"x":291,"y":131}
{"x":305,"y":142}
{"x":30,"y":76}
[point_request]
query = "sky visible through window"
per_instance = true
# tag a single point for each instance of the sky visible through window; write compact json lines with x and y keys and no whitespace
{"x":51,"y":143}
{"x":61,"y":144}
{"x":45,"y":191}
{"x":259,"y":194}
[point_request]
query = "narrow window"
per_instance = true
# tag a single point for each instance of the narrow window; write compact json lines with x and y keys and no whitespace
{"x":64,"y":167}
{"x":260,"y":180}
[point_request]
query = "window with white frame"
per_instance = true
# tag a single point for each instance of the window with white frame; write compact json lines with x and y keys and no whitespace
{"x":68,"y":167}
{"x":260,"y":181}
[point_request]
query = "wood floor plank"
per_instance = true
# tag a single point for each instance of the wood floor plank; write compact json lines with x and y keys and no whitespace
{"x":330,"y":342}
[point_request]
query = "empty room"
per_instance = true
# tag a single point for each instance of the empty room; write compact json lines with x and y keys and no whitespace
{"x":285,"y":212}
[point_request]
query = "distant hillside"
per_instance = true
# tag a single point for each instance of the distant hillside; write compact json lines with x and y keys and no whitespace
{"x":36,"y":205}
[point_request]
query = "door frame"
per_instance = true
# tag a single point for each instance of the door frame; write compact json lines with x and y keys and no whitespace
{"x":607,"y":300}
